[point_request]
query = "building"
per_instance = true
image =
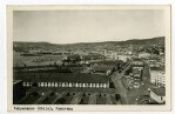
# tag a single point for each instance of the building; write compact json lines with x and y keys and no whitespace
{"x":144,"y":55}
{"x":18,"y":90}
{"x":73,"y":59}
{"x":103,"y":69}
{"x":59,"y":80}
{"x":92,"y":56}
{"x":137,"y":72}
{"x":107,"y":66}
{"x":157,"y":94}
{"x":124,"y":57}
{"x":137,"y":63}
{"x":155,"y":62}
{"x":157,"y":76}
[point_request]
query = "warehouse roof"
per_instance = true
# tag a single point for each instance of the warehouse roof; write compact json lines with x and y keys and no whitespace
{"x":61,"y":77}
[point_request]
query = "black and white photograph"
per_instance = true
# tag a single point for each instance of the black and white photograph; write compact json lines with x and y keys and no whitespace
{"x":90,"y":56}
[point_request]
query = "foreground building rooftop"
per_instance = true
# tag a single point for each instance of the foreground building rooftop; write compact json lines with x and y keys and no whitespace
{"x":61,"y":77}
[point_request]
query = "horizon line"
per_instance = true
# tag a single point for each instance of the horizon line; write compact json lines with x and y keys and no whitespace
{"x":87,"y":42}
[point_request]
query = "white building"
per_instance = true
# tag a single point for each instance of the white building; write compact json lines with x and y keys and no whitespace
{"x":157,"y":77}
{"x":144,"y":55}
{"x":124,"y":57}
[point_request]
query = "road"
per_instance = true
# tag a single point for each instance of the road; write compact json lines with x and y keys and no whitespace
{"x":143,"y":89}
{"x":129,"y":96}
{"x":116,"y":79}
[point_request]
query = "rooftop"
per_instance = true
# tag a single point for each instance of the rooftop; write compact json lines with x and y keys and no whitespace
{"x":61,"y":77}
{"x":109,"y":62}
{"x":16,"y":81}
{"x":158,"y":68}
{"x":103,"y":69}
{"x":159,"y":91}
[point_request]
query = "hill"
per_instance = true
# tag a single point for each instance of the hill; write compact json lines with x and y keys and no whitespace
{"x":108,"y":45}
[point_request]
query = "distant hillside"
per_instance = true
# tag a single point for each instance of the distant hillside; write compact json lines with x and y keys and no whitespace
{"x":152,"y":41}
{"x":113,"y":45}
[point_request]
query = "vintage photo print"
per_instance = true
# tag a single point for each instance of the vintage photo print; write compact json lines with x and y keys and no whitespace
{"x":89,"y":58}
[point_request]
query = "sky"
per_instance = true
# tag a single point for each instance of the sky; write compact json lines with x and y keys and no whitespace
{"x":72,"y":26}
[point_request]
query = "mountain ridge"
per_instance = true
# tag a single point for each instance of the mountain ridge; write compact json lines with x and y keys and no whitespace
{"x":131,"y":40}
{"x":92,"y":46}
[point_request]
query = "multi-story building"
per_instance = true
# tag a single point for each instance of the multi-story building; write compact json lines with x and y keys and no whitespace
{"x":137,"y":72}
{"x":157,"y":77}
